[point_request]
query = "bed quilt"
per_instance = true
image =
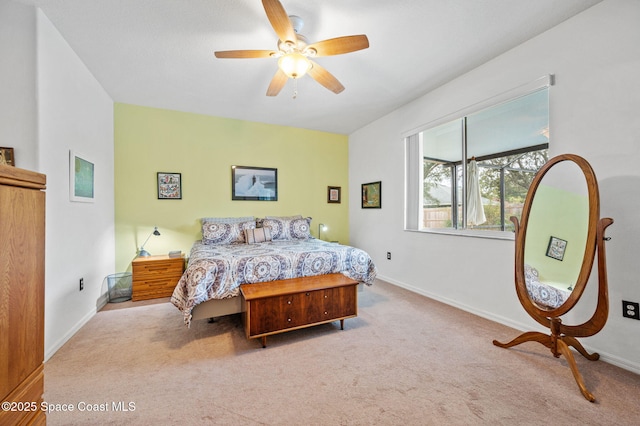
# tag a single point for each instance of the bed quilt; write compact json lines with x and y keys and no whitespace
{"x":541,"y":293}
{"x":217,"y":271}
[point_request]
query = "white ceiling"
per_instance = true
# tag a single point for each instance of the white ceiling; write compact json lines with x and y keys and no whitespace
{"x":159,"y":53}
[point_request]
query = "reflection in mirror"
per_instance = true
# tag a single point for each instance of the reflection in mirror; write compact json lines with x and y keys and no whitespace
{"x":557,"y":232}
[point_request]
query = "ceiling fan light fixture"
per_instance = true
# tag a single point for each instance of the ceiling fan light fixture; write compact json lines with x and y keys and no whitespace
{"x":295,"y":55}
{"x":294,"y":64}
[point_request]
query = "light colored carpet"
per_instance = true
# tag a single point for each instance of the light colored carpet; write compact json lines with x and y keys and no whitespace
{"x":405,"y":360}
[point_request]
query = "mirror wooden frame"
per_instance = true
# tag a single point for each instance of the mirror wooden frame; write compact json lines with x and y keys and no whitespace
{"x":563,"y":336}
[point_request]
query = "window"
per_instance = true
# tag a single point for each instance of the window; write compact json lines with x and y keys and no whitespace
{"x":473,"y":172}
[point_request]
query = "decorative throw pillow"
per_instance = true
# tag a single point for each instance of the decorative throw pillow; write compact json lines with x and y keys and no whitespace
{"x":297,"y":216}
{"x":530,"y":273}
{"x":225,"y":233}
{"x":258,"y":235}
{"x":260,"y":222}
{"x":226,"y":219}
{"x":300,"y":229}
{"x":290,"y":229}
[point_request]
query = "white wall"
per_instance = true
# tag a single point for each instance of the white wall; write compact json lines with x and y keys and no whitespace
{"x":595,"y":57}
{"x":18,"y":119}
{"x":74,"y":113}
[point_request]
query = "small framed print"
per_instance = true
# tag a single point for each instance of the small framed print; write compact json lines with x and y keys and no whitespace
{"x":6,"y":156}
{"x":169,"y":186}
{"x":333,"y":194}
{"x":372,"y":195}
{"x":81,"y":178}
{"x":556,"y":248}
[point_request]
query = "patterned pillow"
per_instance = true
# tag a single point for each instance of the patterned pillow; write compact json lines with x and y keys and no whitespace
{"x":226,"y":219}
{"x":260,"y":222}
{"x":297,"y":216}
{"x":258,"y":235}
{"x":530,"y":273}
{"x":289,"y":229}
{"x":225,"y":233}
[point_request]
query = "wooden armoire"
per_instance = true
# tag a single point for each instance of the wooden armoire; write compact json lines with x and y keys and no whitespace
{"x":22,"y":231}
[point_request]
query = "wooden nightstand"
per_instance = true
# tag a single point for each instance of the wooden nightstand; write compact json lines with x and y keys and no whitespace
{"x":155,"y":276}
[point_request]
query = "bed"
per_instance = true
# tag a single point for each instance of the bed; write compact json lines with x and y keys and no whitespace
{"x":249,"y":251}
{"x":545,"y":294}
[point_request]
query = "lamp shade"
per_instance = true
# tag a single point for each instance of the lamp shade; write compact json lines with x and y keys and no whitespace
{"x":294,"y":64}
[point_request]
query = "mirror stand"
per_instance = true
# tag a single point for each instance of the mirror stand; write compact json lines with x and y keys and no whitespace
{"x":562,"y":336}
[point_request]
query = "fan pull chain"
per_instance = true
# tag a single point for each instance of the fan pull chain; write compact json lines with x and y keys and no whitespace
{"x":295,"y":88}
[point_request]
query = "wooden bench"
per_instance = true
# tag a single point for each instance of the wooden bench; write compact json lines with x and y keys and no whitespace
{"x":284,"y":305}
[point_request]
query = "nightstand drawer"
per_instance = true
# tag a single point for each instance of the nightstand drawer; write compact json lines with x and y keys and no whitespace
{"x":159,"y":268}
{"x":149,"y":289}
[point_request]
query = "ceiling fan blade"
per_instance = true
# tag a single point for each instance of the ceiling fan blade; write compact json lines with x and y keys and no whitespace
{"x":325,"y":78}
{"x":277,"y":83}
{"x":245,"y":54}
{"x":279,"y":20}
{"x":340,"y":45}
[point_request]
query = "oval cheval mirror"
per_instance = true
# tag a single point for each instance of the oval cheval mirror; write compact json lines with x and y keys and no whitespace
{"x":556,"y":243}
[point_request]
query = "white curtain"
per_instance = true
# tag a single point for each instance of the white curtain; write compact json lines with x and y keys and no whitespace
{"x":475,"y":211}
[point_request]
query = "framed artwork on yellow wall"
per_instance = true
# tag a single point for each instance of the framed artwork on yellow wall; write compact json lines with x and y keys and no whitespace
{"x":333,"y":194}
{"x":169,"y":186}
{"x":556,"y":248}
{"x":254,"y":183}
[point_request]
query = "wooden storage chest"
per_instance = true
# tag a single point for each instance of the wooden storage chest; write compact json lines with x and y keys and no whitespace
{"x":284,"y":305}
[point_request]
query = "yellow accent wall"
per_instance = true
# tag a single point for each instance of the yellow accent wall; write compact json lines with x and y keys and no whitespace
{"x":203,"y":149}
{"x":562,"y":214}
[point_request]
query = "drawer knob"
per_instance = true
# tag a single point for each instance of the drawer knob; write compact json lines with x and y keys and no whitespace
{"x":325,"y":296}
{"x":307,"y":293}
{"x":326,"y":313}
{"x":289,"y":320}
{"x":289,"y":302}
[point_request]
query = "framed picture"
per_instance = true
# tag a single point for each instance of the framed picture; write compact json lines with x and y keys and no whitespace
{"x":6,"y":156}
{"x":556,"y":248}
{"x":372,"y":195}
{"x":333,"y":194}
{"x":81,"y":178}
{"x":254,"y":183}
{"x":169,"y":186}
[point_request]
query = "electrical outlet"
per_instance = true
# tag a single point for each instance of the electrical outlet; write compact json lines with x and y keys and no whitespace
{"x":389,"y":255}
{"x":631,"y":310}
{"x":81,"y":284}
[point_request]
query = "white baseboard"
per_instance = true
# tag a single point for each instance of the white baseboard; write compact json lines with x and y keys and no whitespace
{"x":102,"y":301}
{"x":49,"y":352}
{"x":606,"y":357}
{"x":617,"y":361}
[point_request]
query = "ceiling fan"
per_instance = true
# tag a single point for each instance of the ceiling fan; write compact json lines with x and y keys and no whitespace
{"x":294,"y":53}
